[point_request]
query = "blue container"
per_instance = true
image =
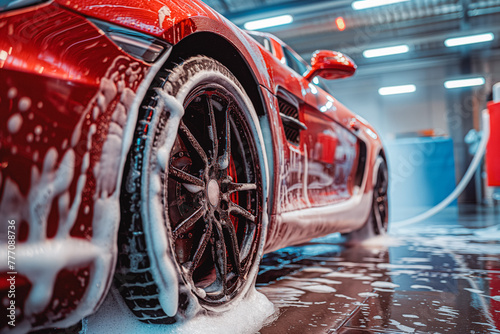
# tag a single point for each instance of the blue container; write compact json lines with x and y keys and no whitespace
{"x":422,"y":173}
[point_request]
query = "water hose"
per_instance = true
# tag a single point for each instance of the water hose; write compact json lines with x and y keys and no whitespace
{"x":463,"y":183}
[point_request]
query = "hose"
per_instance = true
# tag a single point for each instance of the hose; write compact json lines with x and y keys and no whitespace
{"x":463,"y":183}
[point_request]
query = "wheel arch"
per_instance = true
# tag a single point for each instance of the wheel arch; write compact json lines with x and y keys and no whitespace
{"x":224,"y":51}
{"x":219,"y":48}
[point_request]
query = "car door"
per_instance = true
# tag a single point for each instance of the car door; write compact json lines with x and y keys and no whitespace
{"x":329,"y":150}
{"x":293,"y":180}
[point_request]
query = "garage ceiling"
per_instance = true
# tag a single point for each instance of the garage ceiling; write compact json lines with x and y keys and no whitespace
{"x":422,"y":24}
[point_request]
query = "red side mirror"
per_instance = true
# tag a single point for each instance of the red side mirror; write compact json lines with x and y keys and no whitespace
{"x":330,"y":65}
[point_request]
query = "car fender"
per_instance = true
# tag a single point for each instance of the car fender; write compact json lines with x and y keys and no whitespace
{"x":173,"y":21}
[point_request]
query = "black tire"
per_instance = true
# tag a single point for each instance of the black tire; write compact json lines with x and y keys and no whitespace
{"x":192,"y":198}
{"x":378,"y":220}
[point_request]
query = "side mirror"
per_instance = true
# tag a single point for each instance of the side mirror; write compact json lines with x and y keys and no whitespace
{"x":330,"y":65}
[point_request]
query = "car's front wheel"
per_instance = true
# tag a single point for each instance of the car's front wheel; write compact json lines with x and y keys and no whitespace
{"x":192,"y":196}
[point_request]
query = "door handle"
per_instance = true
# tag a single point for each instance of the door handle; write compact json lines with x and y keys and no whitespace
{"x":354,"y":124}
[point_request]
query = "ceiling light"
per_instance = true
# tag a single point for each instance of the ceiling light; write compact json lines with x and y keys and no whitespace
{"x":392,"y":50}
{"x":269,"y":22}
{"x":469,"y":39}
{"x":363,"y":4}
{"x":464,"y":83}
{"x":392,"y":90}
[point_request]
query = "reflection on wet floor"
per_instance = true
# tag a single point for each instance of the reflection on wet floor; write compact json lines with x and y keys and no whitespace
{"x":438,"y":276}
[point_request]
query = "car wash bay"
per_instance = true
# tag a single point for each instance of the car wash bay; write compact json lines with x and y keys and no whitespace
{"x":441,"y":275}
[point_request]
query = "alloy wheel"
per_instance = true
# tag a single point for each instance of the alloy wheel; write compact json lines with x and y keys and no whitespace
{"x":213,"y":195}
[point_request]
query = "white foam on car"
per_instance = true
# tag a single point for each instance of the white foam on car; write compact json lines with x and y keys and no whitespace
{"x":14,"y":123}
{"x":40,"y":259}
{"x":54,"y":180}
{"x":162,"y":267}
{"x":246,"y":316}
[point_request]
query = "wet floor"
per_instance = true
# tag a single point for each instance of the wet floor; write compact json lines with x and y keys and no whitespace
{"x":438,"y":276}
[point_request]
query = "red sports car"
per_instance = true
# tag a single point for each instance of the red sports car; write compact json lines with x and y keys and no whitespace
{"x":156,"y":145}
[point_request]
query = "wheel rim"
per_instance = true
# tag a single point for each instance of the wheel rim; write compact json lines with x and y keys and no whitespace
{"x":213,"y":191}
{"x":380,"y":200}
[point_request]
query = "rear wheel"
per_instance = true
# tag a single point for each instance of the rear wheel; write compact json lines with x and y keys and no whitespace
{"x":192,"y":196}
{"x":378,"y":221}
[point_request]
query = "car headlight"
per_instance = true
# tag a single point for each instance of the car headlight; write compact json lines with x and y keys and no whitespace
{"x":136,"y":44}
{"x":6,"y":5}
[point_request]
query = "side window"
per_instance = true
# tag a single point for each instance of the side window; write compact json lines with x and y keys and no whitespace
{"x":267,"y":45}
{"x":294,"y":63}
{"x":262,"y":41}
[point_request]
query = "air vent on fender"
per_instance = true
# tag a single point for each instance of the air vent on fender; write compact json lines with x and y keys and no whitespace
{"x":290,"y":119}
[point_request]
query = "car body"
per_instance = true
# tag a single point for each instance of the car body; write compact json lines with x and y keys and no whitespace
{"x":73,"y":76}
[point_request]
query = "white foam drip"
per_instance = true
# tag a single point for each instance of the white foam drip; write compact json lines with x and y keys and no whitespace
{"x":15,"y":123}
{"x":166,"y":272}
{"x":24,"y":103}
{"x":12,"y":93}
{"x":41,"y":259}
{"x":163,"y":13}
{"x":36,"y":257}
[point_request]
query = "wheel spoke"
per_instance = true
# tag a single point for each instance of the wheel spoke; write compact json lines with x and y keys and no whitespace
{"x":235,"y":249}
{"x":201,"y":249}
{"x":382,"y":180}
{"x":213,"y":130}
{"x":188,"y":222}
{"x":378,"y":221}
{"x":219,"y":252}
{"x":184,"y":177}
{"x":246,"y":246}
{"x":238,"y":210}
{"x":379,"y":211}
{"x":194,"y":143}
{"x":225,"y":133}
{"x":232,"y":187}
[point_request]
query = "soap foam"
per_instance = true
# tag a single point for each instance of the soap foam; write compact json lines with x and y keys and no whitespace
{"x":246,"y":316}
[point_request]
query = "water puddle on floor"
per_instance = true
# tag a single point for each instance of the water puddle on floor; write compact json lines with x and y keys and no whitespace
{"x":439,"y":276}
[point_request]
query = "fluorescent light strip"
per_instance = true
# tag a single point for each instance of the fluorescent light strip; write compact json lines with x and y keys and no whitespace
{"x":450,"y":84}
{"x":363,"y":4}
{"x":393,"y":90}
{"x":269,"y":22}
{"x":450,"y":42}
{"x":391,"y":50}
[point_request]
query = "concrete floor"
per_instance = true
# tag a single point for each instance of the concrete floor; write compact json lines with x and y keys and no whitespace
{"x":437,"y":276}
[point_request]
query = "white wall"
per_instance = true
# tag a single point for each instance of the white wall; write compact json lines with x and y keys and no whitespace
{"x":424,"y":109}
